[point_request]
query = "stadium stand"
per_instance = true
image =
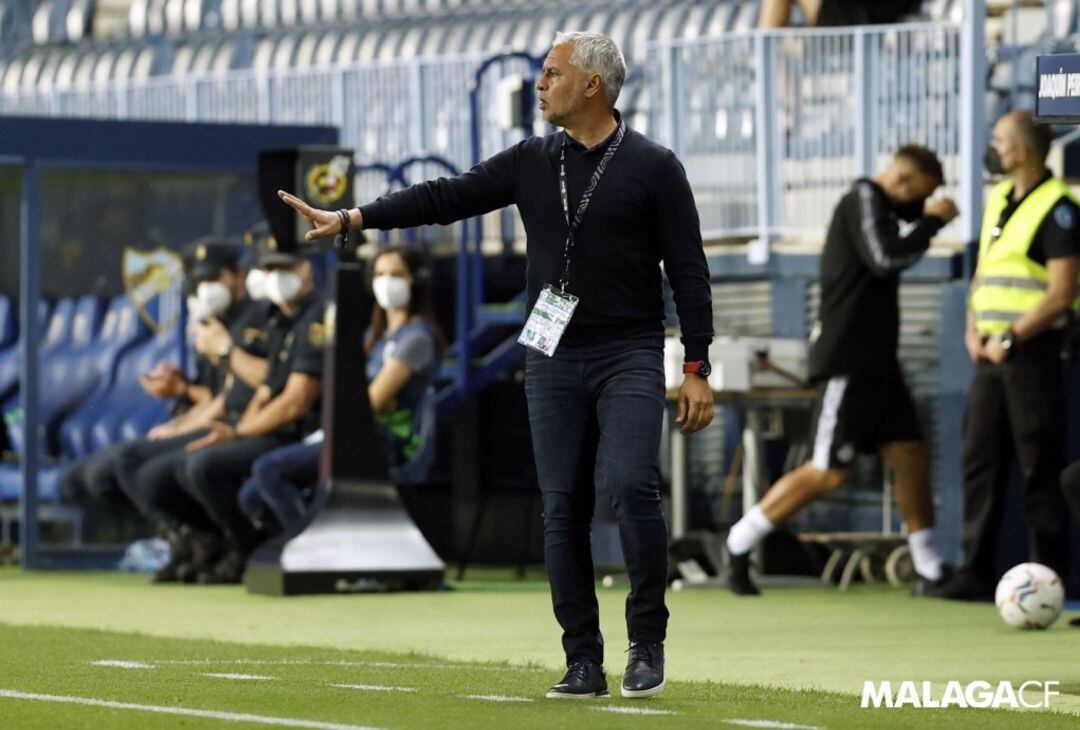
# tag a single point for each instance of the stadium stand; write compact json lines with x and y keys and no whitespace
{"x":402,"y":68}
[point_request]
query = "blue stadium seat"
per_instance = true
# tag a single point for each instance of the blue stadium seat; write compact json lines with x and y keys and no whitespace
{"x":9,"y":330}
{"x":70,"y":376}
{"x":9,"y":358}
{"x":48,"y":483}
{"x":56,"y":354}
{"x":112,"y":404}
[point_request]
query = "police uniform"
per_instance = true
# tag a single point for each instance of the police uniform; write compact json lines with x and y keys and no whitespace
{"x":213,"y":476}
{"x":144,"y":469}
{"x":108,"y":475}
{"x":1018,"y":405}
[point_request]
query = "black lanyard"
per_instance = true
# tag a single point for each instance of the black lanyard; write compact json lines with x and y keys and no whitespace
{"x":572,"y":225}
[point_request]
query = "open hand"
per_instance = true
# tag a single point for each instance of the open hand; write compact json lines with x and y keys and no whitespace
{"x":324,"y":222}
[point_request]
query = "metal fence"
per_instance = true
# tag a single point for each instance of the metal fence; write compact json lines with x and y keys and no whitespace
{"x":774,"y":126}
{"x":385,"y":110}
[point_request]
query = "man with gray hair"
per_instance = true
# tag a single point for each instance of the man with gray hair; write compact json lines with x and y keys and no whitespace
{"x":603,"y":207}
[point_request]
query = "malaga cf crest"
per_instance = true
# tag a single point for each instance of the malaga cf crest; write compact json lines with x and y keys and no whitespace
{"x":153,"y":280}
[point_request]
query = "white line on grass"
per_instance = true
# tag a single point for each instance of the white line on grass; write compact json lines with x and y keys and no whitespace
{"x":122,"y":664}
{"x":498,"y":698}
{"x":633,"y":710}
{"x":182,"y":711}
{"x":373,"y":687}
{"x":334,"y":663}
{"x":773,"y":724}
{"x":244,"y":677}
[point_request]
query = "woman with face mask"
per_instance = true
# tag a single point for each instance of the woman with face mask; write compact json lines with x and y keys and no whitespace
{"x":403,"y":345}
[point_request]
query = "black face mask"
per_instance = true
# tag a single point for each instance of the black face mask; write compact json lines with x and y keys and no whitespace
{"x":992,"y":161}
{"x":909,"y":212}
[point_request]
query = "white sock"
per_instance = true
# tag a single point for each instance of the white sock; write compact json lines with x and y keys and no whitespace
{"x":924,"y":554}
{"x":746,"y":533}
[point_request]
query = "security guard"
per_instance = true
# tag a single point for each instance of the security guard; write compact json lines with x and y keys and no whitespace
{"x":219,"y":305}
{"x":1022,"y":296}
{"x":285,"y":409}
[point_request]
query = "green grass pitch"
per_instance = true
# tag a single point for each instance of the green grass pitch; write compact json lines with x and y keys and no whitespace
{"x":110,"y":651}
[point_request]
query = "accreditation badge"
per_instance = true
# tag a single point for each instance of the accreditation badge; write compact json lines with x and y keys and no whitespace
{"x":548,"y":321}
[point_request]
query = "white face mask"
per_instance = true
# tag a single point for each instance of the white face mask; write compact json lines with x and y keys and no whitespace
{"x":256,"y":284}
{"x":215,"y":295}
{"x":197,"y":309}
{"x":391,"y":292}
{"x":283,"y":286}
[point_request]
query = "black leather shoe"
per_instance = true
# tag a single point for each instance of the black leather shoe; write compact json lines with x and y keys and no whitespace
{"x":926,"y":587}
{"x":739,"y":580}
{"x":228,"y":570}
{"x":179,"y":553}
{"x":962,"y":586}
{"x":644,"y":671}
{"x":584,"y":679}
{"x":206,"y":550}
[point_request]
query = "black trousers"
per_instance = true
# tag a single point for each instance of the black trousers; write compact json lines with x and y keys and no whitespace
{"x":1070,"y":487}
{"x":147,"y":474}
{"x":92,"y":479}
{"x":1017,"y":409}
{"x":213,"y":477}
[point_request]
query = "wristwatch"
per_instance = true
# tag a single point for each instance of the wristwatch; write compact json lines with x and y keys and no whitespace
{"x":699,"y":367}
{"x":1008,"y":343}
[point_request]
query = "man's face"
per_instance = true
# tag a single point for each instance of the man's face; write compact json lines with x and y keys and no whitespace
{"x":561,"y":86}
{"x":1008,"y":145}
{"x":908,"y":184}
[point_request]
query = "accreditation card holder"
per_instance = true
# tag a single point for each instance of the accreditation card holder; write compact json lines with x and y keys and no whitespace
{"x":548,"y":321}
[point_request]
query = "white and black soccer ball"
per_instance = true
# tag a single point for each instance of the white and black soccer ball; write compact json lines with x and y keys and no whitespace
{"x":1030,"y":596}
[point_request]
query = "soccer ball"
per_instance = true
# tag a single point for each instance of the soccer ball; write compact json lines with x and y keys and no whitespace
{"x":1030,"y":596}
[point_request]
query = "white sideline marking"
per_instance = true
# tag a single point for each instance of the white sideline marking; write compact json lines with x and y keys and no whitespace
{"x":498,"y":698}
{"x":183,"y":711}
{"x":634,"y":710}
{"x":334,"y":663}
{"x":773,"y":724}
{"x":374,"y":687}
{"x":225,"y":675}
{"x":122,"y":664}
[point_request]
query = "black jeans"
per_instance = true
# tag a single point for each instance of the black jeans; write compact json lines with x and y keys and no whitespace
{"x":596,"y":423}
{"x":1017,"y":407}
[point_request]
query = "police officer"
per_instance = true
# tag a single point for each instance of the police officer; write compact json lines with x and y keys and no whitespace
{"x":285,"y":409}
{"x":1020,"y":304}
{"x":142,"y":468}
{"x":216,"y":288}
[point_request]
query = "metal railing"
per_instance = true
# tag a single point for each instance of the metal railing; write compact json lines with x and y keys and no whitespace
{"x":773,"y":126}
{"x":390,"y":109}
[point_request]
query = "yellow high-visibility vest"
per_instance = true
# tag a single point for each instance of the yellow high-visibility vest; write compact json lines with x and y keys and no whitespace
{"x":1007,"y":283}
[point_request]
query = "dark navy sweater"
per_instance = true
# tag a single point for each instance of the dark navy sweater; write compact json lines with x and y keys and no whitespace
{"x":641,"y":214}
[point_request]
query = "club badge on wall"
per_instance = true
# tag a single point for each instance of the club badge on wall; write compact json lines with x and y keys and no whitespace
{"x":328,"y":182}
{"x":153,"y":280}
